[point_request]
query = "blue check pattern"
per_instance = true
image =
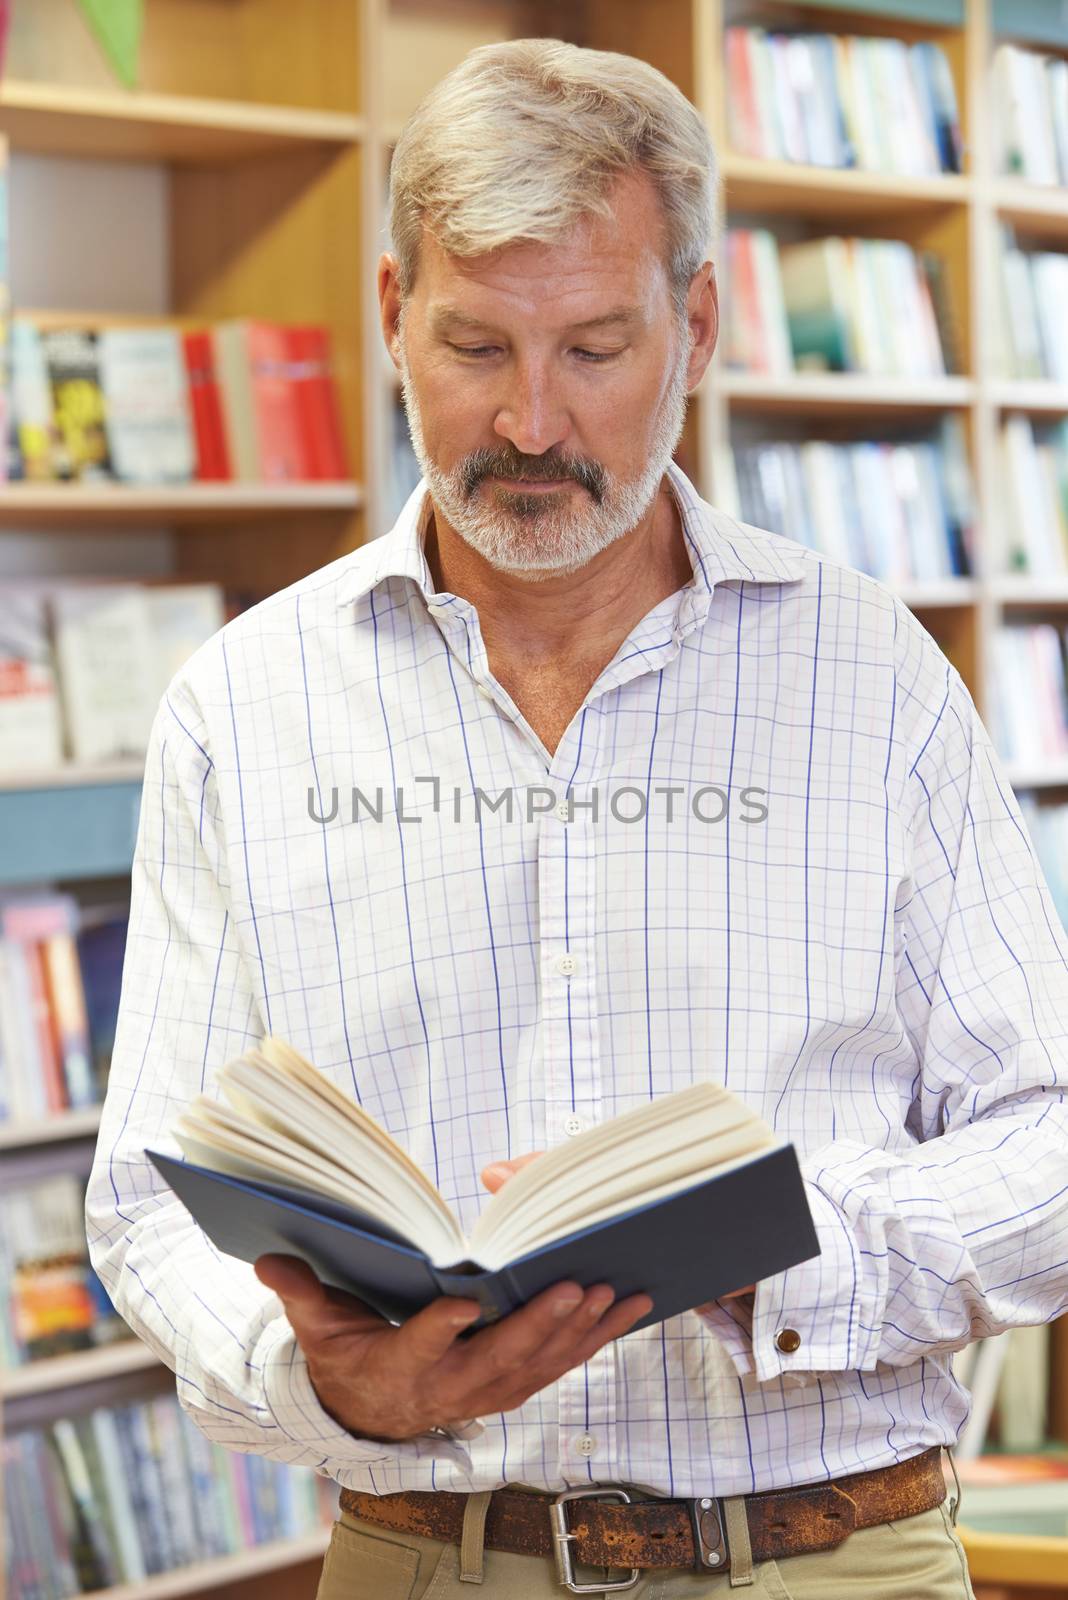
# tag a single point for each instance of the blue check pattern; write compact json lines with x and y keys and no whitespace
{"x":806,"y":877}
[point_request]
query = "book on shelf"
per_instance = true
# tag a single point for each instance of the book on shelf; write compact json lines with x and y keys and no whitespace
{"x":31,"y":722}
{"x":1047,"y":823}
{"x":1030,"y":693}
{"x":1031,"y":534}
{"x":124,"y":1492}
{"x":84,"y":664}
{"x":60,"y":972}
{"x":244,"y":399}
{"x":901,"y":510}
{"x":1031,"y":333}
{"x":146,"y":405}
{"x":1029,"y":114}
{"x":836,"y":100}
{"x":285,"y":1161}
{"x":6,"y":423}
{"x":53,"y":1303}
{"x":837,"y":305}
{"x":72,"y":363}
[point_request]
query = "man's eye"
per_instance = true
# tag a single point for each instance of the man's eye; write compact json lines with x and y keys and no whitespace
{"x":481,"y":350}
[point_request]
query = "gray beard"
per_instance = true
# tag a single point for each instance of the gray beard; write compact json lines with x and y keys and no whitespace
{"x":547,"y":535}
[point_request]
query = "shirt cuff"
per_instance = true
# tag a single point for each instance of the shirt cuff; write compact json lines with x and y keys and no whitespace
{"x":297,"y":1412}
{"x":802,"y":1321}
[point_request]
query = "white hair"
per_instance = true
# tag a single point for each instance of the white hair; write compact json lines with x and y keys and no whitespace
{"x":523,"y":138}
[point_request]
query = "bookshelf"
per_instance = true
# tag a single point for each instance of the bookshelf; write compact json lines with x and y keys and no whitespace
{"x":274,"y":124}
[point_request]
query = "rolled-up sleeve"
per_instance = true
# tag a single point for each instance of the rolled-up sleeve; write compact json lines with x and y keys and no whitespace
{"x":190,"y":1003}
{"x":960,"y":1228}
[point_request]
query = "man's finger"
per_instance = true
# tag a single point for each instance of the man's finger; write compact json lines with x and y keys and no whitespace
{"x":496,"y":1175}
{"x":427,"y":1338}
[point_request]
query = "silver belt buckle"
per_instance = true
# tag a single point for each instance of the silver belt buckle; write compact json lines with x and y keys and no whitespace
{"x":709,"y":1534}
{"x":562,"y":1538}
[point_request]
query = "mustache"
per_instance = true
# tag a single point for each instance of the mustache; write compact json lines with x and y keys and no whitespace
{"x":487,"y":463}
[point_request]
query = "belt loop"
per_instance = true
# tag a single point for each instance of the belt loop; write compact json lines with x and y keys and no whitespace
{"x":471,"y":1542}
{"x":741,"y":1554}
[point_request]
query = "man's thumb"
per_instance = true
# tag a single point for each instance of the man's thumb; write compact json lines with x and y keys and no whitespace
{"x":291,"y":1279}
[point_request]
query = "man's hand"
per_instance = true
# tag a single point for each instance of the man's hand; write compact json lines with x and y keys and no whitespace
{"x":497,"y":1175}
{"x":390,"y":1384}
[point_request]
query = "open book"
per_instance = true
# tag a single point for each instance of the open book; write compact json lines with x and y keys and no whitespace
{"x":684,"y":1198}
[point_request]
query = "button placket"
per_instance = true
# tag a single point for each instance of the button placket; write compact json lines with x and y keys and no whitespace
{"x":567,"y":860}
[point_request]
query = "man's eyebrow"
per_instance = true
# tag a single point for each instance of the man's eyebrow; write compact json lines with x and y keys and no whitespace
{"x":442,"y":317}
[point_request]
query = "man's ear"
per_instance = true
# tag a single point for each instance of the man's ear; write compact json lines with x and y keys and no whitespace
{"x":702,"y":312}
{"x":389,"y":304}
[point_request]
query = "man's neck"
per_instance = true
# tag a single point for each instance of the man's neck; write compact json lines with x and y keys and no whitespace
{"x":581,"y":614}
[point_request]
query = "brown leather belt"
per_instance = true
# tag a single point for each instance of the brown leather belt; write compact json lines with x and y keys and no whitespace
{"x":665,"y":1533}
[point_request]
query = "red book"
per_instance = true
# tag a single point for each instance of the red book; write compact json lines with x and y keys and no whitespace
{"x":213,"y":457}
{"x":279,"y":435}
{"x":317,"y":403}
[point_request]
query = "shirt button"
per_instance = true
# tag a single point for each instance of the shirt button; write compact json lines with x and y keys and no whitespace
{"x":788,"y":1340}
{"x":585,"y":1445}
{"x":566,"y":964}
{"x":486,"y":693}
{"x":563,"y":810}
{"x":572,"y":1125}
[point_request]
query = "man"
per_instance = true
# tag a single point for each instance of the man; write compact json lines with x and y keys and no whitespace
{"x":642,"y":796}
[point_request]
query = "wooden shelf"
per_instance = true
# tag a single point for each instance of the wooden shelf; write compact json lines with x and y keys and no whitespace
{"x":1040,"y":207}
{"x":1028,"y":591}
{"x":787,"y":187}
{"x":805,"y":394}
{"x":931,"y":595}
{"x":82,"y":1366}
{"x":59,"y":505}
{"x":1036,"y":395}
{"x":1051,"y":774}
{"x":50,"y":1130}
{"x":62,"y":121}
{"x":72,"y":776}
{"x":205,"y":1575}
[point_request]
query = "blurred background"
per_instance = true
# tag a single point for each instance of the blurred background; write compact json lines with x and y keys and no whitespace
{"x":196,"y":409}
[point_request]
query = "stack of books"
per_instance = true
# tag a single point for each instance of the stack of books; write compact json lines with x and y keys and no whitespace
{"x":128,"y":1491}
{"x":1032,"y":328}
{"x":60,"y":975}
{"x":1048,"y":827}
{"x":1030,"y":688}
{"x":83,"y":665}
{"x":247,"y":400}
{"x":1030,"y":121}
{"x":54,"y":1303}
{"x":900,"y":511}
{"x":837,"y":101}
{"x":1033,"y":525}
{"x":836,"y":305}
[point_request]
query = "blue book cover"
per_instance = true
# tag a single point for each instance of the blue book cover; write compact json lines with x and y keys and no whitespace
{"x":746,"y":1223}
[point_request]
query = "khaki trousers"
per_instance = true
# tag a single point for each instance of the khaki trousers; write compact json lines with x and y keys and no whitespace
{"x":919,"y":1558}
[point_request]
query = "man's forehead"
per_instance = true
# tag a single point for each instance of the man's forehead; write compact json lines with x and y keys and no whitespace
{"x":444,"y":316}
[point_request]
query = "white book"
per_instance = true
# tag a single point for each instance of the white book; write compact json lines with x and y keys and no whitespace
{"x":181,"y":617}
{"x":1049,"y":270}
{"x":1057,"y":85}
{"x":31,"y":734}
{"x":122,"y":1512}
{"x":147,"y":411}
{"x":823,"y":497}
{"x":107,"y":669}
{"x":1033,"y":518}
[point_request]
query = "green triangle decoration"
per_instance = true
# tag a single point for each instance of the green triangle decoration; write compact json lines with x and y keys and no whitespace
{"x":117,"y":26}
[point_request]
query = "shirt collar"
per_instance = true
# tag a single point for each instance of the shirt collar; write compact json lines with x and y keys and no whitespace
{"x":720,"y":548}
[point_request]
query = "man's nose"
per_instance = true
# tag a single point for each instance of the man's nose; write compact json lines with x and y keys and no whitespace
{"x":532,"y":417}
